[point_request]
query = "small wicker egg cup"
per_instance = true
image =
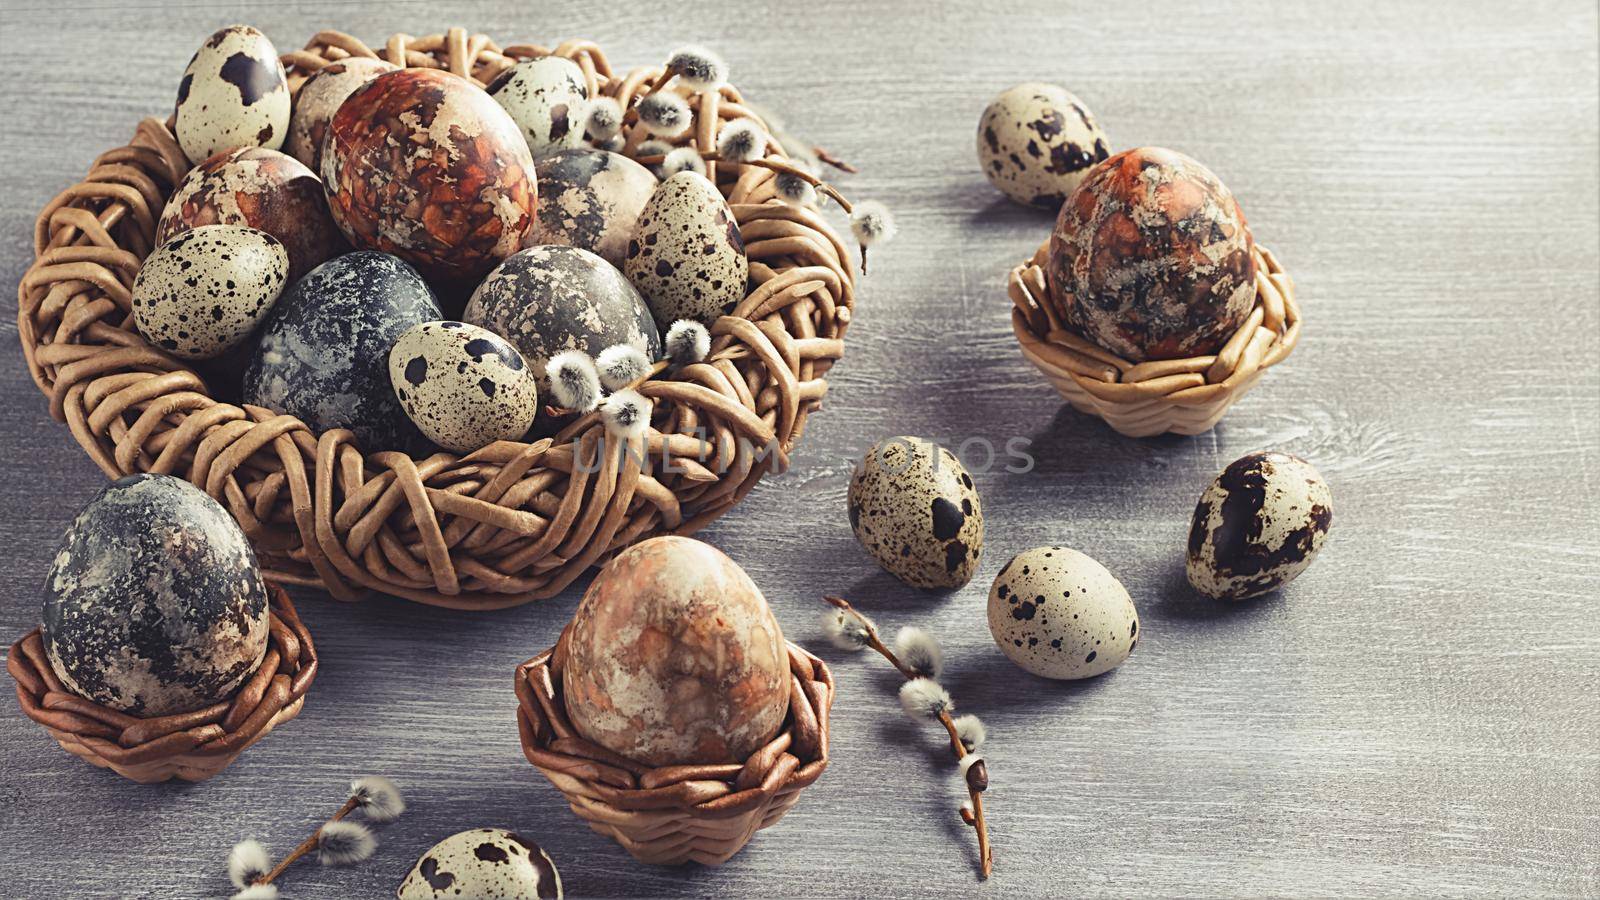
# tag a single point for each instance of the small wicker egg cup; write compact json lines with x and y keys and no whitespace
{"x":189,"y":746}
{"x":1183,"y":396}
{"x":509,"y":523}
{"x":676,"y":814}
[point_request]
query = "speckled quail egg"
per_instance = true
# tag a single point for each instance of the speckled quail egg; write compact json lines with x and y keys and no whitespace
{"x":483,"y":864}
{"x":590,"y":199}
{"x":1036,"y":142}
{"x":686,"y":255}
{"x":202,"y":293}
{"x":1258,"y":526}
{"x":1060,"y":614}
{"x":548,"y":99}
{"x":464,"y":387}
{"x":233,"y":94}
{"x":916,"y":511}
{"x":320,"y":97}
{"x":154,"y":604}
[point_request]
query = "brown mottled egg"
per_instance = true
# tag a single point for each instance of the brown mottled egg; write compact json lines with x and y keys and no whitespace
{"x":1059,"y":614}
{"x":200,"y":294}
{"x":423,"y":164}
{"x":233,"y":94}
{"x":265,"y":190}
{"x":464,"y":387}
{"x":686,"y":255}
{"x":1151,"y":257}
{"x":591,"y":199}
{"x":916,"y":511}
{"x":320,"y":97}
{"x":673,"y":658}
{"x":483,"y":864}
{"x":548,"y":99}
{"x":1258,"y":526}
{"x":1036,"y":142}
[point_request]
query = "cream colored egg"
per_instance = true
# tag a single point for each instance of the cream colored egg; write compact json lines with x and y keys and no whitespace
{"x":203,"y":292}
{"x":483,"y":864}
{"x":233,"y":94}
{"x":915,"y":510}
{"x":1059,"y":614}
{"x":1036,"y":142}
{"x":1258,"y":526}
{"x":465,"y":387}
{"x":686,"y":256}
{"x":548,"y":99}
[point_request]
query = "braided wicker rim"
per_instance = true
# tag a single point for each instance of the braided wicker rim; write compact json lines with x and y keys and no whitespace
{"x":192,"y":746}
{"x":507,"y":524}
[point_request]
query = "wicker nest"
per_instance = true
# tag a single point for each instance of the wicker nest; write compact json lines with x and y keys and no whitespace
{"x":676,"y":814}
{"x":1185,"y":396}
{"x":510,"y":523}
{"x":192,"y":746}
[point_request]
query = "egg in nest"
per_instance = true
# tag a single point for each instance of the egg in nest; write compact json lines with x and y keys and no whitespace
{"x":202,"y":293}
{"x":590,"y":199}
{"x":320,"y":97}
{"x":464,"y":387}
{"x":234,"y":93}
{"x":686,"y":255}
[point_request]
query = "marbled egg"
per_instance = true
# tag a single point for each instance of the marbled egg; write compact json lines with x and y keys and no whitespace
{"x":463,"y":386}
{"x":320,"y":97}
{"x":483,"y":864}
{"x":1151,"y":257}
{"x":591,"y":199}
{"x":154,"y":604}
{"x":686,"y":255}
{"x":423,"y":164}
{"x":1258,"y":526}
{"x":323,"y":355}
{"x":263,"y":189}
{"x":916,"y":511}
{"x":548,"y":299}
{"x":1060,"y":614}
{"x":202,"y":293}
{"x":548,"y":99}
{"x":233,"y":94}
{"x":1036,"y":142}
{"x":673,"y":658}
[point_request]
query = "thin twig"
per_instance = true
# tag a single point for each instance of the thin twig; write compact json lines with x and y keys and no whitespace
{"x":836,"y":162}
{"x":307,"y":845}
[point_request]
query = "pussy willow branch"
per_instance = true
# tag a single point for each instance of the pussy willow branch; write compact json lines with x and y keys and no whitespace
{"x":307,"y":845}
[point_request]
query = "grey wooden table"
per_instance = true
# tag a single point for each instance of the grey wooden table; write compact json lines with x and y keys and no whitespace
{"x":1418,"y":714}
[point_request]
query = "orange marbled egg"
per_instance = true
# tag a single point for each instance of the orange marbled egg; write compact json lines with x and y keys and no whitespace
{"x":674,"y":658}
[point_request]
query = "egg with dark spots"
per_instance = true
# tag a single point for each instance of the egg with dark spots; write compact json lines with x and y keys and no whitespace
{"x":591,"y":199}
{"x":1258,"y":526}
{"x":483,"y":864}
{"x":320,"y":97}
{"x":154,"y":604}
{"x":202,"y":293}
{"x":1059,"y":614}
{"x":464,"y":387}
{"x":234,"y":93}
{"x":1036,"y":142}
{"x":686,"y":255}
{"x":548,"y":99}
{"x":915,"y":510}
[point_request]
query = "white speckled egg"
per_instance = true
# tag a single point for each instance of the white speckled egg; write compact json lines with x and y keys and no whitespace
{"x":1258,"y":526}
{"x":463,"y":386}
{"x":483,"y":864}
{"x":1036,"y":142}
{"x":233,"y":94}
{"x":686,"y":255}
{"x":916,"y":511}
{"x":202,"y":293}
{"x":1060,"y":614}
{"x":548,"y":99}
{"x":319,"y":99}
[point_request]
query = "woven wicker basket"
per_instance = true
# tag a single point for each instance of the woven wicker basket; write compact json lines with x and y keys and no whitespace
{"x":1185,"y":396}
{"x":510,"y":523}
{"x":190,"y":746}
{"x":676,"y":814}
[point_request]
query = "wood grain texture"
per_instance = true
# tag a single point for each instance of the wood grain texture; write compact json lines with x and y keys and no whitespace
{"x":1417,"y":714}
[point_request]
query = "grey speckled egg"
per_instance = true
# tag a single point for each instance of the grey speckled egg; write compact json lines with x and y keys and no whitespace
{"x":1258,"y":526}
{"x":463,"y":386}
{"x":549,"y":299}
{"x":686,"y":255}
{"x":1036,"y":142}
{"x":483,"y":864}
{"x":548,"y":99}
{"x":324,"y":350}
{"x":203,"y":292}
{"x":1060,"y":614}
{"x":233,"y":94}
{"x":590,"y":199}
{"x":319,"y":99}
{"x":915,"y":510}
{"x":154,"y":604}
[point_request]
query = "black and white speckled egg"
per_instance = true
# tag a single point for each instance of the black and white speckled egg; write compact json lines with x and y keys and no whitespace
{"x":483,"y":864}
{"x":1060,"y":614}
{"x":320,"y":97}
{"x":154,"y":604}
{"x":1258,"y":526}
{"x":463,"y":386}
{"x":549,"y":299}
{"x":590,"y":199}
{"x":686,"y":255}
{"x":916,"y":511}
{"x":1036,"y":142}
{"x":548,"y":99}
{"x":233,"y":94}
{"x":202,"y":293}
{"x":324,"y":350}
